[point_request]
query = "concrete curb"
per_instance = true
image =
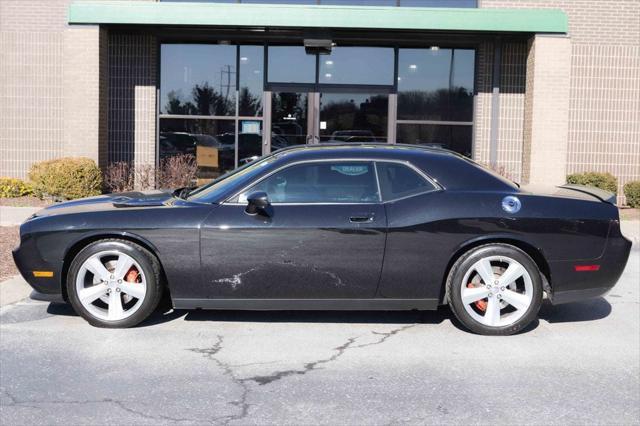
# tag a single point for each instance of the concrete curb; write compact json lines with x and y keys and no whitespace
{"x":15,"y":215}
{"x":13,"y":290}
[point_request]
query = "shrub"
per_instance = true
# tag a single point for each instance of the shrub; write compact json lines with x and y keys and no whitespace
{"x":174,"y":172}
{"x":632,"y":192}
{"x":119,"y":177}
{"x":66,"y":178}
{"x":605,"y":181}
{"x":12,"y":187}
{"x":177,"y":171}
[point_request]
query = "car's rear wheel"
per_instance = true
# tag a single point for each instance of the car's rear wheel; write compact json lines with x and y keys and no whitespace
{"x":114,"y":283}
{"x":495,"y":289}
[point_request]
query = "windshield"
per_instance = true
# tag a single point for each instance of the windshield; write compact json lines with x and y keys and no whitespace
{"x":211,"y":190}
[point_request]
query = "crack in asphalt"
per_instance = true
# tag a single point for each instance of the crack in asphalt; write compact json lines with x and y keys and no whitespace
{"x":14,"y":401}
{"x":210,"y":353}
{"x":242,"y":402}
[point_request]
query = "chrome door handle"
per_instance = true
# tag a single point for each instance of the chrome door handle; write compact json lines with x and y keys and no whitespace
{"x":361,"y":219}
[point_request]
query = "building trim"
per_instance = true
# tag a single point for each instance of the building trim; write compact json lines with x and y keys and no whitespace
{"x":314,"y":16}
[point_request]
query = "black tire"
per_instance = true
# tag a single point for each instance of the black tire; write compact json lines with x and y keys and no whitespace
{"x":462,"y":266}
{"x":151,"y":269}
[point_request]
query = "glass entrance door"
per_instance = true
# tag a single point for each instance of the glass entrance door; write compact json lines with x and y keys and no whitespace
{"x":353,"y":117}
{"x":293,"y":119}
{"x":299,"y":118}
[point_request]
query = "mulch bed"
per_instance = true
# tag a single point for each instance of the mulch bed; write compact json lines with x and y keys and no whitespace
{"x":24,"y":202}
{"x":9,"y":239}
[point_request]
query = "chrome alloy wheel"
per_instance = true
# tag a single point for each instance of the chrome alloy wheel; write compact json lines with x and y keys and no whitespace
{"x":111,"y":285}
{"x":497,"y":291}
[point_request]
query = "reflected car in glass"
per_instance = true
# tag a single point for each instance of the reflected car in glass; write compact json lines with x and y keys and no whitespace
{"x":331,"y":227}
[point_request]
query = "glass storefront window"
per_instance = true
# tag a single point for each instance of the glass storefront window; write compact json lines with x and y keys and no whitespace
{"x":454,"y":138}
{"x":439,"y":3}
{"x":358,"y":65}
{"x":289,"y":119}
{"x":353,"y":117}
{"x":291,"y":64}
{"x":435,"y":84}
{"x":251,"y":80}
{"x":211,"y":142}
{"x":197,"y":79}
{"x":360,"y":2}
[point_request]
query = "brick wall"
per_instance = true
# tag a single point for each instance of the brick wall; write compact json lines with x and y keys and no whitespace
{"x":31,"y":83}
{"x":604,"y":96}
{"x":132,"y":98}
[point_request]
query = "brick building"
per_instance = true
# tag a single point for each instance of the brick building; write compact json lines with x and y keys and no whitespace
{"x":539,"y":88}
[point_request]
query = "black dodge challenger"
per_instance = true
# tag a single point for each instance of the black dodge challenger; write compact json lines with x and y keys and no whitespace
{"x":365,"y":226}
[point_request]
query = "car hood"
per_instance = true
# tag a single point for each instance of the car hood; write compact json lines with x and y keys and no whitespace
{"x":110,"y":202}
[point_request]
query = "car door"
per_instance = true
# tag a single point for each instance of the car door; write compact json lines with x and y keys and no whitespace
{"x":321,"y":237}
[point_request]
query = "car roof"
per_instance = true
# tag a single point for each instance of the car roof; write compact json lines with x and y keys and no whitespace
{"x":362,"y":149}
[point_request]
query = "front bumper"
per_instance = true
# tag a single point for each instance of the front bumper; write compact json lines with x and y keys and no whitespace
{"x":28,"y":258}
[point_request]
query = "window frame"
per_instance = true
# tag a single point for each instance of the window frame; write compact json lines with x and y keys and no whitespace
{"x":436,"y":186}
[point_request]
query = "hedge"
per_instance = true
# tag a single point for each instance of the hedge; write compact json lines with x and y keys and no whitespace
{"x":605,"y":181}
{"x":632,"y":192}
{"x":12,"y":187}
{"x":66,"y":178}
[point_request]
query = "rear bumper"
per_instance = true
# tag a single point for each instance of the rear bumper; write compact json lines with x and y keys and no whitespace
{"x":570,"y":285}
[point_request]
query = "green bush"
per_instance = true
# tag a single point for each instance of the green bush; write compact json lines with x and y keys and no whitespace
{"x":605,"y":181}
{"x":12,"y":187}
{"x":66,"y":178}
{"x":632,"y":192}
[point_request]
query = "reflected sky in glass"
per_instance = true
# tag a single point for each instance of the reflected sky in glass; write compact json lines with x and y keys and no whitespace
{"x":291,"y":64}
{"x":357,"y":65}
{"x":251,"y":80}
{"x":185,"y":67}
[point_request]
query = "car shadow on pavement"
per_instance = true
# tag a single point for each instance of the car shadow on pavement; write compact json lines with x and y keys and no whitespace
{"x":588,"y":310}
{"x":591,"y":310}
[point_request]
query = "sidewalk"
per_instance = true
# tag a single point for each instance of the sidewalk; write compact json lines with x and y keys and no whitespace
{"x":13,"y":290}
{"x":10,"y":216}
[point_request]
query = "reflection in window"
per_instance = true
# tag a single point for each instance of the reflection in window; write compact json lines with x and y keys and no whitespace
{"x":398,"y":180}
{"x":339,"y":182}
{"x":291,"y":64}
{"x":249,"y":141}
{"x":454,"y":138}
{"x":360,"y":2}
{"x":435,"y":84}
{"x":358,"y":65}
{"x":211,"y":142}
{"x":439,"y":3}
{"x":289,"y":119}
{"x":197,"y":79}
{"x":353,"y":117}
{"x":251,"y":80}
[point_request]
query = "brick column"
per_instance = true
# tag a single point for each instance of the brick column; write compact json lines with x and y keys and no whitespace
{"x":544,"y":157}
{"x":85,"y":92}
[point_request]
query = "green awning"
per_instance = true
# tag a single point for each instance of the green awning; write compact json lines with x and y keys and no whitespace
{"x":299,"y":16}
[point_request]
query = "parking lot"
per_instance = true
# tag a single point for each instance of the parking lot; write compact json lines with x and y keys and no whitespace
{"x":579,"y":364}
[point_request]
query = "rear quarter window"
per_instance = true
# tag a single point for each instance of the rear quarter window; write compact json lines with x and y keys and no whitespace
{"x":399,"y":180}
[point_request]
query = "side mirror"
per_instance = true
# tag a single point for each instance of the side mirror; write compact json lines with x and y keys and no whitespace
{"x":257,"y":202}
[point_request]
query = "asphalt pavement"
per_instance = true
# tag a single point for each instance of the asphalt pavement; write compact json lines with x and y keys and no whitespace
{"x":578,"y":364}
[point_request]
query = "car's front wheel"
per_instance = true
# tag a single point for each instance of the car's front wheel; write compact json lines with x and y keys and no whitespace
{"x":114,"y":283}
{"x":495,"y":289}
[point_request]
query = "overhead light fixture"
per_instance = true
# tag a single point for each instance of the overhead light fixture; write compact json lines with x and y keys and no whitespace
{"x":244,"y":59}
{"x":413,"y":67}
{"x":328,"y":75}
{"x":318,"y":46}
{"x":329,"y":62}
{"x":435,"y":48}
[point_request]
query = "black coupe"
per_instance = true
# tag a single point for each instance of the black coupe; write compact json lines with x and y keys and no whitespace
{"x":358,"y":226}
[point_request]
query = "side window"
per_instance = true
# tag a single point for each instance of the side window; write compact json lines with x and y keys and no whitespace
{"x":398,"y":180}
{"x":322,"y":182}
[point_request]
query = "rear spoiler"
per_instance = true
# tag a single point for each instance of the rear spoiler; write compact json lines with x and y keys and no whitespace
{"x":601,"y":194}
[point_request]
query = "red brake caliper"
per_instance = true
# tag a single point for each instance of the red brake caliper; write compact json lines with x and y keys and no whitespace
{"x":480,"y":304}
{"x":132,"y":275}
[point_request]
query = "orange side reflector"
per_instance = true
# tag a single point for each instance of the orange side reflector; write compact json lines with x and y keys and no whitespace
{"x":586,"y":268}
{"x":43,"y":274}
